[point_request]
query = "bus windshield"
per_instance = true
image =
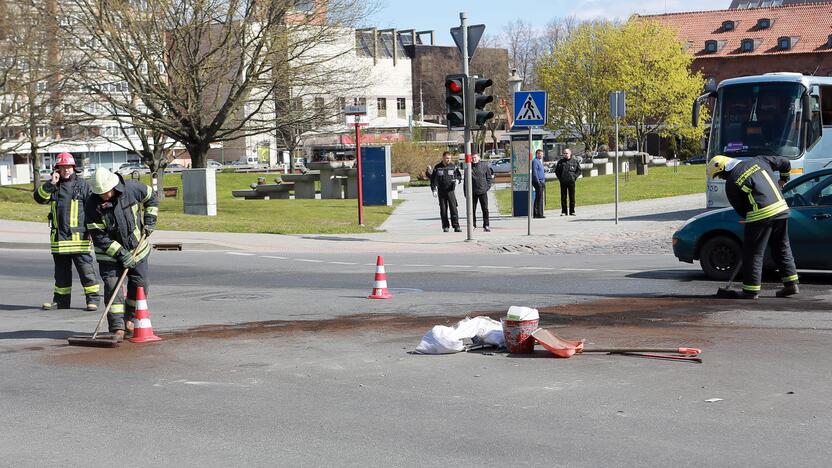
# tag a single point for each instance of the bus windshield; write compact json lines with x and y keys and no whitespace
{"x":759,"y":119}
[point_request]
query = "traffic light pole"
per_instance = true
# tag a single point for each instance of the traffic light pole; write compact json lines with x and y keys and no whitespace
{"x":469,"y":190}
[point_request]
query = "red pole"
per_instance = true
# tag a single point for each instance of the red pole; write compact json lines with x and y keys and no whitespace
{"x":358,"y":161}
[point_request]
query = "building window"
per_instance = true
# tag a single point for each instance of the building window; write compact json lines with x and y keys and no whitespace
{"x":401,"y":108}
{"x":747,"y":45}
{"x":710,"y":46}
{"x":763,"y":23}
{"x":784,"y":43}
{"x":727,"y":25}
{"x":382,"y":107}
{"x":342,"y":103}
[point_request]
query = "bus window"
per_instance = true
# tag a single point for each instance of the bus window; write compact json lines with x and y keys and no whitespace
{"x":826,"y":105}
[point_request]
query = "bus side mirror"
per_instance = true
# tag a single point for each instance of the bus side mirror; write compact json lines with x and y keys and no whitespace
{"x":806,"y":101}
{"x":695,"y":121}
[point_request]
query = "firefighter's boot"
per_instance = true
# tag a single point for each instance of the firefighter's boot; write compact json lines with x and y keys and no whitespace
{"x":790,"y":289}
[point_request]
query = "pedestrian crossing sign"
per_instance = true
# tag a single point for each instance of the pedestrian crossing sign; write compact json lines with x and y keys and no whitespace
{"x":530,"y":108}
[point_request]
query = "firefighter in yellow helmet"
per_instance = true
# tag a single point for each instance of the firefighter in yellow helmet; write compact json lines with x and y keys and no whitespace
{"x":67,"y":195}
{"x":119,"y":213}
{"x":753,"y":193}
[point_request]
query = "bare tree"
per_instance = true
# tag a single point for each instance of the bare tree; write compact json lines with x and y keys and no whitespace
{"x":35,"y":78}
{"x":524,"y":48}
{"x":207,"y":72}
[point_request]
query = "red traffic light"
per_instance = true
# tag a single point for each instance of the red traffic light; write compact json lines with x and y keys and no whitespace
{"x":455,"y":86}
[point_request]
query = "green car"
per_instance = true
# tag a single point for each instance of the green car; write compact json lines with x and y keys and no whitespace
{"x":715,"y":238}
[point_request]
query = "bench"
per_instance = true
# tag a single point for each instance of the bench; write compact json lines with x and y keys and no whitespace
{"x":397,"y":182}
{"x":265,"y":191}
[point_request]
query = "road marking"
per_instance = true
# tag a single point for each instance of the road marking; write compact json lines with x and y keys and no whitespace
{"x":274,"y":256}
{"x":242,"y":254}
{"x":578,"y":269}
{"x":308,"y":260}
{"x":456,"y":266}
{"x":494,"y":267}
{"x":343,"y":263}
{"x":537,"y":268}
{"x":417,"y":266}
{"x":621,"y":271}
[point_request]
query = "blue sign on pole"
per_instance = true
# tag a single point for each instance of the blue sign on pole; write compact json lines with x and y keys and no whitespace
{"x":530,"y":108}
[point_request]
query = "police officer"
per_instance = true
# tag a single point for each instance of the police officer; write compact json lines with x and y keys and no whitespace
{"x":443,"y":180}
{"x":752,"y":191}
{"x":121,"y":214}
{"x":67,"y":195}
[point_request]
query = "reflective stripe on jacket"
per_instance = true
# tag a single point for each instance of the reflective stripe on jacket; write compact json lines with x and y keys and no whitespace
{"x":752,"y":190}
{"x":67,"y":214}
{"x":116,"y":225}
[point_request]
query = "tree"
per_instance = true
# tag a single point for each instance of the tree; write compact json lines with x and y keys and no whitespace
{"x":207,"y":72}
{"x":651,"y":65}
{"x":36,"y":85}
{"x":577,"y":76}
{"x":524,"y":49}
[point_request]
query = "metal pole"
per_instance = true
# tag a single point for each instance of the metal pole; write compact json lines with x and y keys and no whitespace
{"x":469,"y":190}
{"x":358,"y":161}
{"x":616,"y":162}
{"x":531,"y":156}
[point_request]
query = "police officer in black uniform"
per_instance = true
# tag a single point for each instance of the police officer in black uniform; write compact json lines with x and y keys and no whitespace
{"x":754,"y":195}
{"x":443,"y":181}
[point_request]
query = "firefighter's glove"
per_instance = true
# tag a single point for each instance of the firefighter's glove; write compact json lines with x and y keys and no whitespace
{"x":147,"y":232}
{"x":127,"y":260}
{"x":435,"y":194}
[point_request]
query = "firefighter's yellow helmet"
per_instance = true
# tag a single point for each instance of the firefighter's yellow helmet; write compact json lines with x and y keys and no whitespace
{"x":103,"y":181}
{"x":718,"y":164}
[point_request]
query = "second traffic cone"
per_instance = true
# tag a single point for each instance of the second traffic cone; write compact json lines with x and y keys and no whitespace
{"x":142,"y":329}
{"x":380,"y":283}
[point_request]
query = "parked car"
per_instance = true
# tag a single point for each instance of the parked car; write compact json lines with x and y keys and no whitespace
{"x":174,"y":167}
{"x":211,"y":164}
{"x":715,"y":238}
{"x":697,"y":160}
{"x":501,"y":166}
{"x":130,"y":168}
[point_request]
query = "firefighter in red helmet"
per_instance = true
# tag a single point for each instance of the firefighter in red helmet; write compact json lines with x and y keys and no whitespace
{"x":67,"y":194}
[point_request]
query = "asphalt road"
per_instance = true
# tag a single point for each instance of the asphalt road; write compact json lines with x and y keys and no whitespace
{"x":275,"y":359}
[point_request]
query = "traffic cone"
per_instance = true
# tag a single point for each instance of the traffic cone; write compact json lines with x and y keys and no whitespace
{"x":380,"y":284}
{"x":142,"y":330}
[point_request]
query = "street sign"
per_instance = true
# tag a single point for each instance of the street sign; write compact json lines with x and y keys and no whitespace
{"x":618,"y":106}
{"x":355,"y":110}
{"x":358,"y":119}
{"x":474,"y":35}
{"x":530,"y":108}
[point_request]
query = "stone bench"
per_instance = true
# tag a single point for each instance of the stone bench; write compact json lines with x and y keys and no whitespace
{"x":265,"y":191}
{"x":398,"y":181}
{"x":304,"y":184}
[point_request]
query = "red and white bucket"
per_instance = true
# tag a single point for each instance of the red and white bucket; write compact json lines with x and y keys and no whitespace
{"x":518,"y":335}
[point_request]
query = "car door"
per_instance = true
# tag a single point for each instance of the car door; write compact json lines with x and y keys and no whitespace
{"x":810,"y":225}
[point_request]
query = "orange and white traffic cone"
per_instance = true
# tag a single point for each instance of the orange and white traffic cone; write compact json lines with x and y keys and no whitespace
{"x":142,"y":329}
{"x":380,"y":284}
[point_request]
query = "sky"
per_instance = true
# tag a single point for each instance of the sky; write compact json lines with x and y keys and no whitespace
{"x":441,"y":15}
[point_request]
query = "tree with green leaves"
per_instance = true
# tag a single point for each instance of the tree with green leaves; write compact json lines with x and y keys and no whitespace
{"x":577,"y":76}
{"x":651,"y":66}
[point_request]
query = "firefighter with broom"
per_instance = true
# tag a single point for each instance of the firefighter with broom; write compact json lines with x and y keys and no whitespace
{"x":67,"y":194}
{"x":121,"y":215}
{"x":754,"y":195}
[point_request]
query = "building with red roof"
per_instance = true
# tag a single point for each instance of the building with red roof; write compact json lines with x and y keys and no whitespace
{"x":752,"y":41}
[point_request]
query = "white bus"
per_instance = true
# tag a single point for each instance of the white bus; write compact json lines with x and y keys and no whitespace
{"x":780,"y":114}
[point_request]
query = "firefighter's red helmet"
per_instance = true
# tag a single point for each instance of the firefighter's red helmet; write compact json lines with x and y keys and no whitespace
{"x":65,"y":159}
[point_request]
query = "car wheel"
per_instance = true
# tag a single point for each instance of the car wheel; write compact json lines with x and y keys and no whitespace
{"x":719,"y":257}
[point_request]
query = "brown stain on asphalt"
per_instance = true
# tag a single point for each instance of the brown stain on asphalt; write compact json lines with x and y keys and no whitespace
{"x":624,"y":321}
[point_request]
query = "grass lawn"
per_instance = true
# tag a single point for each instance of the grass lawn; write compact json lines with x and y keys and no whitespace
{"x":659,"y":182}
{"x":233,"y":215}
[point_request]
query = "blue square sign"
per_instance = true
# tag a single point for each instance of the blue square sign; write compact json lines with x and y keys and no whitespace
{"x":530,"y":108}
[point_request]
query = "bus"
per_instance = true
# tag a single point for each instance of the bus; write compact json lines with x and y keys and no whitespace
{"x":777,"y":114}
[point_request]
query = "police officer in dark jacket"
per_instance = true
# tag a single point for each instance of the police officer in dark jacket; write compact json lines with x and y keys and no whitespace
{"x":67,"y":195}
{"x":443,"y":181}
{"x":567,"y":170}
{"x":481,"y":178}
{"x":754,"y":195}
{"x":122,"y":213}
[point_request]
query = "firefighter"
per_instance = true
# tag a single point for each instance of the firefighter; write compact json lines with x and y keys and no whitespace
{"x":67,"y":194}
{"x":752,"y":191}
{"x":443,"y":181}
{"x":120,"y":213}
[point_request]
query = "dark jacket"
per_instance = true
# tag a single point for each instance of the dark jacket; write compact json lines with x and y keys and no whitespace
{"x":568,"y":170}
{"x":752,"y":190}
{"x":481,"y":177}
{"x":444,"y":177}
{"x":67,"y":217}
{"x":117,"y":225}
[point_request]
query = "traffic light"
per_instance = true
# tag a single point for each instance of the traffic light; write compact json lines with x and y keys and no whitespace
{"x":455,"y":93}
{"x":481,"y":116}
